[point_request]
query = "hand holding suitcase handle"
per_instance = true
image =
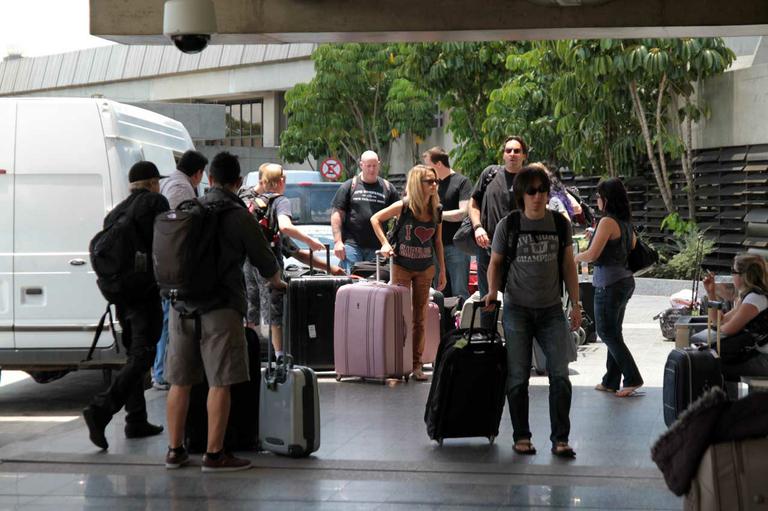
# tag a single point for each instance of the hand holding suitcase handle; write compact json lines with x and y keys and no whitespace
{"x":378,"y":265}
{"x":480,"y":305}
{"x":327,"y":259}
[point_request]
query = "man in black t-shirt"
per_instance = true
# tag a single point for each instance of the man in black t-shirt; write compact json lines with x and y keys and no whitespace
{"x":492,"y":200}
{"x":353,"y":206}
{"x":454,"y":191}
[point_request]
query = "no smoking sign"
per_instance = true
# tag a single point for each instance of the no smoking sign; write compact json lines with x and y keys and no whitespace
{"x":331,"y":168}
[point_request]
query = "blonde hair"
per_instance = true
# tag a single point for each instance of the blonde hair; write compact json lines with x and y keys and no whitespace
{"x":754,"y":273}
{"x":270,"y":175}
{"x":145,"y":184}
{"x":419,"y":204}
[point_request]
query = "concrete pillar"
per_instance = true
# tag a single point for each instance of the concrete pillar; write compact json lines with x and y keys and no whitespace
{"x":271,"y":120}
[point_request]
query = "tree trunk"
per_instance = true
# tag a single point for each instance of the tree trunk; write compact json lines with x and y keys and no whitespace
{"x":687,"y":159}
{"x":659,"y":134}
{"x":666,"y":196}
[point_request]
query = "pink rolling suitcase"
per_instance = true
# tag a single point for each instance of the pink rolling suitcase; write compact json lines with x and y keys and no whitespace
{"x":432,"y":334}
{"x":372,"y":331}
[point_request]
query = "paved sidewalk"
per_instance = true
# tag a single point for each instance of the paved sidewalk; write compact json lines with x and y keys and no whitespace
{"x":375,"y":454}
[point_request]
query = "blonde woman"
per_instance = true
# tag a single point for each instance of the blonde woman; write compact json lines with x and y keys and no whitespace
{"x":417,"y":241}
{"x":749,"y":317}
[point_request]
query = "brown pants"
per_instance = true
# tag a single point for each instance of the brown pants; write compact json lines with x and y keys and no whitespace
{"x":419,"y":282}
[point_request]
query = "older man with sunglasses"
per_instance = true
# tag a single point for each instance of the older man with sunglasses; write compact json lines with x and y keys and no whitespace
{"x":492,"y":199}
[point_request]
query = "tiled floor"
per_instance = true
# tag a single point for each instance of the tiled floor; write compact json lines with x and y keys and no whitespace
{"x":375,"y":454}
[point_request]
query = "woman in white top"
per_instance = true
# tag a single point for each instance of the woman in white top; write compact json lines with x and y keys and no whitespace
{"x":749,"y":315}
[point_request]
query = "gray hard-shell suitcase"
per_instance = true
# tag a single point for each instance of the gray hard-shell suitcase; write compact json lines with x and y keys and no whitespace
{"x":289,"y":409}
{"x":732,"y":475}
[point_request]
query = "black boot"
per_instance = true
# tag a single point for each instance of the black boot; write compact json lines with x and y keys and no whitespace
{"x":141,"y":430}
{"x":96,"y":420}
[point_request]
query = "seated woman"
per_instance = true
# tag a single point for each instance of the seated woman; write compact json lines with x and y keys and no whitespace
{"x":744,"y":329}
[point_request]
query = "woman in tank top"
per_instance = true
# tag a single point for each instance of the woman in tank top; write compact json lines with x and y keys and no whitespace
{"x":614,"y":284}
{"x":417,"y":240}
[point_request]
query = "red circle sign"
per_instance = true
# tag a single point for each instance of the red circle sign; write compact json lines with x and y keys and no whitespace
{"x":331,"y":169}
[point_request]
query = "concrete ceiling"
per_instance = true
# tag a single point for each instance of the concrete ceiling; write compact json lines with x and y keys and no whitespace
{"x":263,"y":21}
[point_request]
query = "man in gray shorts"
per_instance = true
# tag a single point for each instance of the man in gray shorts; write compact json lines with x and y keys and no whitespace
{"x":220,"y":352}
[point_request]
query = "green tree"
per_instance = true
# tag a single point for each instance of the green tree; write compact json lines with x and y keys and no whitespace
{"x":461,"y":77}
{"x":355,"y":102}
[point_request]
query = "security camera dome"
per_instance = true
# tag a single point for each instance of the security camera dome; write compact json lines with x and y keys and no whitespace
{"x":189,"y":23}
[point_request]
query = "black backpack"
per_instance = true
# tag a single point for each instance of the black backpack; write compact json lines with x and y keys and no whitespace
{"x":120,"y":259}
{"x":185,"y":253}
{"x":260,"y":206}
{"x":513,"y":234}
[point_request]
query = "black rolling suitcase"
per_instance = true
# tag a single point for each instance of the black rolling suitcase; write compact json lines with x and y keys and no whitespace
{"x":587,"y":300}
{"x":310,"y":304}
{"x":466,"y":398}
{"x":688,"y":373}
{"x":243,"y":425}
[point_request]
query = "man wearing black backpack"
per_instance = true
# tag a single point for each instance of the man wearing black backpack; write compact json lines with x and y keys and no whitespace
{"x":138,"y":308}
{"x":209,"y":337}
{"x":531,"y":258}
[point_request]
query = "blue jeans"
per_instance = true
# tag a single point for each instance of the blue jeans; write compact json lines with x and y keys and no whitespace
{"x":610,"y":304}
{"x":158,"y":370}
{"x":356,"y":254}
{"x":548,"y":325}
{"x":457,"y":271}
{"x":483,"y":261}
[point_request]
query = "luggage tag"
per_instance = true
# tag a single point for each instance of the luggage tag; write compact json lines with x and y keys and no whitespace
{"x":461,"y":343}
{"x":312,"y":331}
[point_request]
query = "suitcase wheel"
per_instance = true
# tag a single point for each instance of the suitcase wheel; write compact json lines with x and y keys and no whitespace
{"x":439,"y":442}
{"x":406,"y":378}
{"x":539,"y":372}
{"x":338,"y":377}
{"x":492,"y":439}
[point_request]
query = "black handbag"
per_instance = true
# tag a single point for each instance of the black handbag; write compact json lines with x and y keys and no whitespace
{"x":642,"y":256}
{"x":464,"y":239}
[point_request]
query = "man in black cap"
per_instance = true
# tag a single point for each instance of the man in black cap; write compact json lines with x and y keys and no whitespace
{"x":141,"y":317}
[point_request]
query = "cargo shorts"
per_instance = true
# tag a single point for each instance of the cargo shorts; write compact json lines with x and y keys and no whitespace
{"x":221,"y":355}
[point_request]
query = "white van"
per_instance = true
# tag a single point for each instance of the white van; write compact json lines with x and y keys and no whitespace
{"x":63,"y":165}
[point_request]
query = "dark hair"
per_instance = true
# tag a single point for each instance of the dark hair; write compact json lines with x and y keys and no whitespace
{"x":225,"y":168}
{"x":437,"y":154}
{"x":525,"y":178}
{"x":615,"y":199}
{"x":518,"y":139}
{"x":192,"y":161}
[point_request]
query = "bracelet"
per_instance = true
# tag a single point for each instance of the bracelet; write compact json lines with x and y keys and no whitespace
{"x":477,"y":226}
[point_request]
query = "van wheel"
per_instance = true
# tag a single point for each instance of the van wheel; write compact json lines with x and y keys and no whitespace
{"x":106,"y":377}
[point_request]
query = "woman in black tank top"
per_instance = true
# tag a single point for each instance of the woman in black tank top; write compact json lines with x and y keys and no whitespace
{"x":414,"y":243}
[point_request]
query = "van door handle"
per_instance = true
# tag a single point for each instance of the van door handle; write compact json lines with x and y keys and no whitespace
{"x":77,"y":262}
{"x":34,"y":291}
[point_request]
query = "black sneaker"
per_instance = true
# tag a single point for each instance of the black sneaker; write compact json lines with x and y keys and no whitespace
{"x":224,"y":462}
{"x":176,"y":458}
{"x":141,"y":430}
{"x":97,"y":421}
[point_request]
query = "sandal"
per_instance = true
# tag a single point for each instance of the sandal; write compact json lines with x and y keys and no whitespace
{"x":524,"y":447}
{"x":419,"y":375}
{"x":603,"y":388}
{"x":563,"y":450}
{"x":628,"y":391}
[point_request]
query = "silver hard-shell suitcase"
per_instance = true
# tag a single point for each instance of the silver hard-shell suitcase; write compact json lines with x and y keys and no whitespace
{"x":289,"y":408}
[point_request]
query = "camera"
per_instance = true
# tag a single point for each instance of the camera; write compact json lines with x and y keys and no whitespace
{"x":189,"y":23}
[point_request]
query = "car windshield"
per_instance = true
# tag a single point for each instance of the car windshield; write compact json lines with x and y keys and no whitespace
{"x":311,"y":202}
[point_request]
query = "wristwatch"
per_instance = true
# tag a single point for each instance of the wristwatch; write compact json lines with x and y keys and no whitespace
{"x":476,"y":227}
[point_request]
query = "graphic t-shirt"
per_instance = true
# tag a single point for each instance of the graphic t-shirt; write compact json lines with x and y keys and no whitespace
{"x":359,"y":205}
{"x":452,"y":190}
{"x":415,"y":243}
{"x":534,"y":276}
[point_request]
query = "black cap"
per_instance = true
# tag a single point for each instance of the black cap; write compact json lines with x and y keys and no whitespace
{"x":143,"y":170}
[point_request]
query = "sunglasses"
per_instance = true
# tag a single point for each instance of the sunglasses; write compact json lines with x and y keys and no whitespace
{"x":430,"y":181}
{"x":516,"y":151}
{"x":533,"y":190}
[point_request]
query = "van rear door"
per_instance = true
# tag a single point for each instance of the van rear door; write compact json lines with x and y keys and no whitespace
{"x":7,"y":121}
{"x":62,"y":193}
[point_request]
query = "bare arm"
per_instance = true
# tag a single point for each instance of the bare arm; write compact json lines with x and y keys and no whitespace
{"x":571,"y":278}
{"x":303,"y":256}
{"x":382,"y":216}
{"x":481,"y":236}
{"x":286,"y":227}
{"x":441,"y":280}
{"x":494,"y":277}
{"x":605,"y":229}
{"x":337,"y":220}
{"x":456,"y":215}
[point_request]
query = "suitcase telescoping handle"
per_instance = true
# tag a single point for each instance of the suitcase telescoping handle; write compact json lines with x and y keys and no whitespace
{"x":479,"y":305}
{"x":378,"y":265}
{"x":327,"y":260}
{"x":718,"y":306}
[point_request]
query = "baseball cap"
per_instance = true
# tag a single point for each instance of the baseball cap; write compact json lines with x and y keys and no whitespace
{"x":143,"y":170}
